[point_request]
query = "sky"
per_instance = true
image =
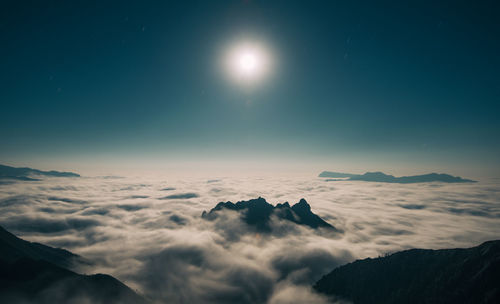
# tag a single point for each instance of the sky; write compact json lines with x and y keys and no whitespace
{"x":404,"y":87}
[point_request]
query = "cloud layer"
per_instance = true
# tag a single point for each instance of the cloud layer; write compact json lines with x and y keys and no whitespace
{"x":148,"y":232}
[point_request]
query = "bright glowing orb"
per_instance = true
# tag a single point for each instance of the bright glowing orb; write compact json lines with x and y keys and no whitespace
{"x":247,"y":63}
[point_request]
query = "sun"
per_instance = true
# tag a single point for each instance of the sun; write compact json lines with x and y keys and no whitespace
{"x":247,"y":63}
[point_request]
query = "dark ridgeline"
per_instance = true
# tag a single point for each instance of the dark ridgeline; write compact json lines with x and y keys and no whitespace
{"x":385,"y":178}
{"x":258,"y":212}
{"x":35,"y":273}
{"x":28,"y":174}
{"x":38,"y":281}
{"x":13,"y":248}
{"x":420,"y":276}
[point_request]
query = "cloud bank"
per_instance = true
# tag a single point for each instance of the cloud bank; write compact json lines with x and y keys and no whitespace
{"x":148,"y":232}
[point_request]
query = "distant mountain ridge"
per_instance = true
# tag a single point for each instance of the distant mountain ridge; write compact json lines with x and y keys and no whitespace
{"x":386,"y":178}
{"x":469,"y":276}
{"x":7,"y":172}
{"x":36,"y":273}
{"x":257,"y":212}
{"x":336,"y":174}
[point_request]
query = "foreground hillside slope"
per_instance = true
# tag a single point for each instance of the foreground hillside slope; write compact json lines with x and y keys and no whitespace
{"x":35,"y":273}
{"x":13,"y":248}
{"x":420,"y":276}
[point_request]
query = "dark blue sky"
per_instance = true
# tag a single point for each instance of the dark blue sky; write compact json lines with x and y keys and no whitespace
{"x":381,"y":84}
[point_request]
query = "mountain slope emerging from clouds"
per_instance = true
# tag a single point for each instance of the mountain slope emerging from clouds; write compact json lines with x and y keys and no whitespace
{"x":13,"y":248}
{"x":32,"y":273}
{"x":258,"y":212}
{"x":420,"y":276}
{"x":386,"y":178}
{"x":37,"y":281}
{"x":7,"y":172}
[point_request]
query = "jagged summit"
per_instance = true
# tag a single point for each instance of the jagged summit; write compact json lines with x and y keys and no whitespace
{"x":257,"y":212}
{"x":302,"y":205}
{"x":284,"y":205}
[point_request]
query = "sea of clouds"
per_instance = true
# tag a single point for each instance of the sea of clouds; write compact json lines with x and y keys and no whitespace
{"x":148,"y":231}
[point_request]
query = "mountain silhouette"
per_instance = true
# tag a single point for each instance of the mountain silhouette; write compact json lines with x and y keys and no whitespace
{"x":385,"y":178}
{"x":33,"y":273}
{"x":336,"y":174}
{"x":29,"y":174}
{"x":420,"y":276}
{"x":13,"y":248}
{"x":258,"y":212}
